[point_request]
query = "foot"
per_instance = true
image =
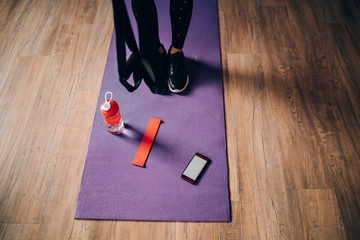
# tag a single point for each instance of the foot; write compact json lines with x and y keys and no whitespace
{"x":174,"y":50}
{"x":178,"y":77}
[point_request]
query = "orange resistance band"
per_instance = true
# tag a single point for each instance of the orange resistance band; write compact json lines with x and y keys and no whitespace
{"x":146,"y":142}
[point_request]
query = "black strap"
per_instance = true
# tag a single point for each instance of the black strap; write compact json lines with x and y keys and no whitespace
{"x":124,"y":34}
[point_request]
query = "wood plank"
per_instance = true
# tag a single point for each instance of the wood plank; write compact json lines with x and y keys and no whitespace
{"x":2,"y":230}
{"x":291,"y":105}
{"x":337,"y":11}
{"x":87,"y":11}
{"x":316,"y":214}
{"x":259,"y":166}
{"x":49,"y":16}
{"x":92,"y":70}
{"x":156,"y":230}
{"x":11,"y":41}
{"x":20,"y":231}
{"x":36,"y":21}
{"x":333,"y":107}
{"x":123,"y":230}
{"x":329,"y":11}
{"x":328,"y":233}
{"x":347,"y":60}
{"x":17,"y":101}
{"x":273,"y":3}
{"x":58,"y":218}
{"x":232,"y":230}
{"x":85,"y":229}
{"x":243,"y":36}
{"x":29,"y":191}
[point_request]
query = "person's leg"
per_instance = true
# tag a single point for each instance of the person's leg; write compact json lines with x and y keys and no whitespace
{"x":180,"y":14}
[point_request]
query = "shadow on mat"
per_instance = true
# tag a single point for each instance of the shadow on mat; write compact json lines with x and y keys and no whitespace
{"x":131,"y":133}
{"x":200,"y":74}
{"x":137,"y":136}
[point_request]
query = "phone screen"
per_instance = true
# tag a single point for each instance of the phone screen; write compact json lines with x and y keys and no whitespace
{"x":194,"y":168}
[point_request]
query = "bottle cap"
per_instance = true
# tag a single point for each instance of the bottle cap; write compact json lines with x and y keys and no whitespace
{"x":107,"y":105}
{"x":109,"y":108}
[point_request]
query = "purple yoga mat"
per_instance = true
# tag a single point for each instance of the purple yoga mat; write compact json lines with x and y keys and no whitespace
{"x":193,"y":121}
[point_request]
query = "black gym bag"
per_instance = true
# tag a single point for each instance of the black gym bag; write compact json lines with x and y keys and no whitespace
{"x":153,"y":70}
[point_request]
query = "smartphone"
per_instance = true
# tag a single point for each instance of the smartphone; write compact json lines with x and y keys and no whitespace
{"x":194,"y":168}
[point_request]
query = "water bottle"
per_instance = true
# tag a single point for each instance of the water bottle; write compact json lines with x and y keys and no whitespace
{"x":110,"y":111}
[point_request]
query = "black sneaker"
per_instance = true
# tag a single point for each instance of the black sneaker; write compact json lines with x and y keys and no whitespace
{"x":178,"y":77}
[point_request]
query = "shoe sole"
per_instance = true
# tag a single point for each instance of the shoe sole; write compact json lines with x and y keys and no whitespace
{"x":179,"y":90}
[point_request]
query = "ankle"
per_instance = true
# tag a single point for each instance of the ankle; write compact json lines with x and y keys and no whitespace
{"x":175,"y":50}
{"x":161,"y":49}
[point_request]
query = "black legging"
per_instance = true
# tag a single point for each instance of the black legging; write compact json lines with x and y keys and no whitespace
{"x":146,"y":17}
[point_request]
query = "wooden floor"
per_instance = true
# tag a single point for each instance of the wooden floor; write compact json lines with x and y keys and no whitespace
{"x":291,"y":71}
